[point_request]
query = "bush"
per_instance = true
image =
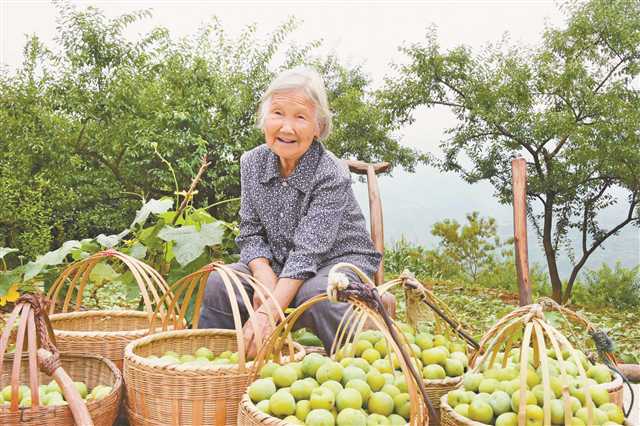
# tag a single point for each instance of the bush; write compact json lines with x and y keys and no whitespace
{"x":618,"y":287}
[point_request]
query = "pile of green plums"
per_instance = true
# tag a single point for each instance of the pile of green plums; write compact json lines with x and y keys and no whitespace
{"x":51,"y":394}
{"x":202,"y":357}
{"x":492,"y":396}
{"x":435,"y":355}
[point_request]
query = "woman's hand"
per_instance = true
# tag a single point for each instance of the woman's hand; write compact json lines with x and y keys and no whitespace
{"x":267,"y":277}
{"x":256,"y":337}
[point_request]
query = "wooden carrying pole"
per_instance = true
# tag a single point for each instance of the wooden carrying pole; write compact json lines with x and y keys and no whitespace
{"x":375,"y":206}
{"x":519,"y":182}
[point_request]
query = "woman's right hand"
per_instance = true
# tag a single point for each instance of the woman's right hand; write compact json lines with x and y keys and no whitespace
{"x":261,"y":271}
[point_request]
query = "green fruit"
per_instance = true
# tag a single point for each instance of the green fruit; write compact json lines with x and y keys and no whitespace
{"x":301,"y":389}
{"x":534,"y":415}
{"x":375,"y":380}
{"x":100,"y":391}
{"x":261,"y":389}
{"x":371,"y":355}
{"x":293,"y":420}
{"x":434,"y":372}
{"x":52,"y":386}
{"x":381,"y":347}
{"x":481,"y":412}
{"x":186,"y":358}
{"x":361,"y":364}
{"x":557,"y":411}
{"x":391,"y":390}
{"x":361,"y":386}
{"x":599,"y":395}
{"x":471,"y":381}
{"x":380,"y":403}
{"x":377,"y":419}
{"x":284,"y":376}
{"x":401,"y":383}
{"x":382,"y":365}
{"x":600,"y":373}
{"x":168,"y":360}
{"x":82,"y":389}
{"x":282,"y":404}
{"x":433,"y":356}
{"x":361,"y":346}
{"x":264,"y":406}
{"x":54,"y":398}
{"x":457,"y":397}
{"x":329,"y":371}
{"x":440,"y":340}
{"x":177,"y":355}
{"x":500,"y":402}
{"x":352,"y":372}
{"x":599,"y":416}
{"x":424,"y":341}
{"x":463,"y":359}
{"x":348,"y":398}
{"x":351,"y":417}
{"x":268,"y":369}
{"x":322,"y":397}
{"x":397,"y":420}
{"x":371,"y":335}
{"x":507,"y":419}
{"x":462,"y":409}
{"x":302,"y":409}
{"x":332,"y":385}
{"x":530,"y":398}
{"x":202,"y":352}
{"x":488,"y":386}
{"x":614,"y":413}
{"x":311,"y":363}
{"x":320,"y":417}
{"x":402,"y":405}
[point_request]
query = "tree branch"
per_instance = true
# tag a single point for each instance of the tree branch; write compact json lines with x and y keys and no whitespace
{"x":610,"y":73}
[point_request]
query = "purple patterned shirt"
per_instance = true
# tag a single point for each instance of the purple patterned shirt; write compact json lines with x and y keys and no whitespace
{"x":305,"y":221}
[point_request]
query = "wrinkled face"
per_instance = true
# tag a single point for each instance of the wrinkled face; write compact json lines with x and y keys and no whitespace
{"x":290,"y":125}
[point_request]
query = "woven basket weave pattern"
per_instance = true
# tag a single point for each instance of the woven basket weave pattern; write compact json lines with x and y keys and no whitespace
{"x":91,"y":370}
{"x":161,"y":395}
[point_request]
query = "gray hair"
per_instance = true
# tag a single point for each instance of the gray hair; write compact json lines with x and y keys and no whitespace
{"x":309,"y":81}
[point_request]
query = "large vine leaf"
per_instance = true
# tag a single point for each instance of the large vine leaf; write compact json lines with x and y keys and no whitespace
{"x":190,"y":242}
{"x":6,"y":250}
{"x":109,"y":241}
{"x":7,"y":279}
{"x":103,"y":272}
{"x":52,"y":258}
{"x":152,"y":206}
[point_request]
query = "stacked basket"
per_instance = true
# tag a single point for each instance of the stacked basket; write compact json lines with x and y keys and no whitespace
{"x":20,"y":369}
{"x":160,"y":393}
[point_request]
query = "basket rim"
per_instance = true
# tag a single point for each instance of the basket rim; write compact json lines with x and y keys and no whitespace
{"x":99,"y":313}
{"x":115,"y":389}
{"x":131,"y":356}
{"x":444,"y":406}
{"x":445,"y":381}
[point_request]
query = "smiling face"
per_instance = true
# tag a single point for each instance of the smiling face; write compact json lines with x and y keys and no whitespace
{"x":290,"y":126}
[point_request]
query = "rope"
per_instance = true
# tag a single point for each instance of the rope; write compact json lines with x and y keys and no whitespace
{"x":39,"y":305}
{"x":343,"y":290}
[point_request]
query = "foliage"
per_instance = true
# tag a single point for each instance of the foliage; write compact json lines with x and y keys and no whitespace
{"x":617,"y":287}
{"x":84,"y":121}
{"x":568,"y":106}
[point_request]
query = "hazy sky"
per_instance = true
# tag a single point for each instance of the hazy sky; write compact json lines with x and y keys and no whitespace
{"x":367,"y":33}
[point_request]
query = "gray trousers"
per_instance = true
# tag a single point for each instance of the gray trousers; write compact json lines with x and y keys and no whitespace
{"x":322,"y":318}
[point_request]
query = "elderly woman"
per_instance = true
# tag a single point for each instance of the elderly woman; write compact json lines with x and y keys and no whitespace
{"x":298,"y":213}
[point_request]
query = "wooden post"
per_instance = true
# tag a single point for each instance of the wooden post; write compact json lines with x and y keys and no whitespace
{"x":519,"y":182}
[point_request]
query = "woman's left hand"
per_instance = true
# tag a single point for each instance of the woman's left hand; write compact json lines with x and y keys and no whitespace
{"x":255,"y":338}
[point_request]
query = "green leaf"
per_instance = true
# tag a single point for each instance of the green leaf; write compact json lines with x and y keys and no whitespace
{"x":5,"y":251}
{"x":7,"y":278}
{"x":110,"y":241}
{"x":103,"y":272}
{"x":191,"y":242}
{"x":152,"y":206}
{"x":52,"y":258}
{"x":138,"y":250}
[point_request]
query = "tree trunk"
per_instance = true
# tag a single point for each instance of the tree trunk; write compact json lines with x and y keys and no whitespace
{"x":550,"y":253}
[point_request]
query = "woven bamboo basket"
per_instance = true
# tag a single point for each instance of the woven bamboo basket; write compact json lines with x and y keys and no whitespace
{"x":338,"y":290}
{"x":185,"y":395}
{"x":104,"y":332}
{"x":423,"y":306}
{"x":21,"y":368}
{"x":536,"y":335}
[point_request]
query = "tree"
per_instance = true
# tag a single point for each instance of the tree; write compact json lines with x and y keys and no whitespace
{"x":471,"y":246}
{"x":99,"y":121}
{"x":570,"y":107}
